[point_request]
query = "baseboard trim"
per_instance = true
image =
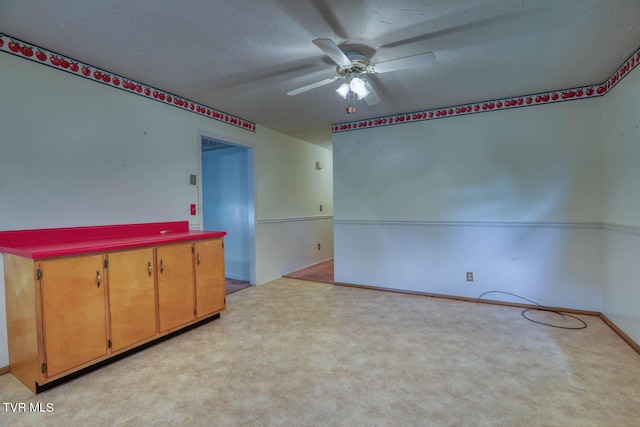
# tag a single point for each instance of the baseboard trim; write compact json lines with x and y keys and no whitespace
{"x":626,"y":338}
{"x":468,"y":299}
{"x":4,"y":370}
{"x":308,"y":265}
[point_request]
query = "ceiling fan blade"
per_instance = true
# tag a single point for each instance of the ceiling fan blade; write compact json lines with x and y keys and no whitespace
{"x":328,"y":14}
{"x":313,"y":86}
{"x":332,"y":50}
{"x":372,"y":98}
{"x":416,"y":61}
{"x":454,"y":26}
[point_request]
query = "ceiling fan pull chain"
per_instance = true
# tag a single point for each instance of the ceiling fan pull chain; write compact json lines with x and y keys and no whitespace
{"x":351,"y":100}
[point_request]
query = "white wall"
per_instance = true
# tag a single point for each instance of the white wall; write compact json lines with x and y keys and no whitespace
{"x":291,"y":225}
{"x":535,"y":164}
{"x":225,"y":191}
{"x":74,"y":152}
{"x":289,"y":179}
{"x":556,"y":265}
{"x":621,"y":235}
{"x":288,"y":244}
{"x":513,"y":196}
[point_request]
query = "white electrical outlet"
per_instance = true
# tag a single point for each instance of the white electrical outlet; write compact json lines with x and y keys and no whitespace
{"x":469,"y":276}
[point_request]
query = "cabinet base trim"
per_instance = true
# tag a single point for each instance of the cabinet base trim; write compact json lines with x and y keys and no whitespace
{"x":4,"y":370}
{"x":73,"y":375}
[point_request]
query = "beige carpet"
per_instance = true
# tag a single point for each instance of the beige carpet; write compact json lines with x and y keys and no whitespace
{"x":297,"y":353}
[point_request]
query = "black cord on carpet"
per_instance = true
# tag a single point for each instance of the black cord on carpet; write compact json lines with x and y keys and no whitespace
{"x":542,"y":308}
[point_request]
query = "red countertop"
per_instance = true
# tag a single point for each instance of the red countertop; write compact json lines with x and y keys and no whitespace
{"x":59,"y":242}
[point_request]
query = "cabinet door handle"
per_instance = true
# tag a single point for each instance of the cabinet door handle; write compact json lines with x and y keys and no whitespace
{"x":98,"y":278}
{"x":150,"y":268}
{"x":161,"y":266}
{"x":198,"y":259}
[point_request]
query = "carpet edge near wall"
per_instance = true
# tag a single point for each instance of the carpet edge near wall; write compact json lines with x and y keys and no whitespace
{"x":626,"y":338}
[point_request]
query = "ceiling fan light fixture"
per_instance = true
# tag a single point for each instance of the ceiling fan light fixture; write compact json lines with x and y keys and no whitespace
{"x":343,"y":90}
{"x":357,"y":86}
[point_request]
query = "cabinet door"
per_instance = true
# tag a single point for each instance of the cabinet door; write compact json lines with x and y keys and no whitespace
{"x":73,"y":312}
{"x":174,"y":269}
{"x":210,"y":281}
{"x":132,"y":297}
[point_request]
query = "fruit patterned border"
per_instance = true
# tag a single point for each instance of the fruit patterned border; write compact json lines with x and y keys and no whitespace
{"x":498,"y":104}
{"x":46,"y":57}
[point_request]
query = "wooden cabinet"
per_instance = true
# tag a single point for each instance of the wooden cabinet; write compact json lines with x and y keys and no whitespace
{"x":209,"y":275}
{"x":132,"y":297}
{"x":70,"y":313}
{"x":74,"y":317}
{"x":175,"y":285}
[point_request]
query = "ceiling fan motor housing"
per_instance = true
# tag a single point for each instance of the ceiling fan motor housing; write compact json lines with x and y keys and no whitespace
{"x":359,"y":64}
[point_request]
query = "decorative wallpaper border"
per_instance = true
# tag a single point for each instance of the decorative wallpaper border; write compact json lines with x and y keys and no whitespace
{"x":550,"y":97}
{"x":33,"y":53}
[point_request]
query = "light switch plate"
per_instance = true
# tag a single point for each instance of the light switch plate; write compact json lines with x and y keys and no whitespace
{"x":193,"y":180}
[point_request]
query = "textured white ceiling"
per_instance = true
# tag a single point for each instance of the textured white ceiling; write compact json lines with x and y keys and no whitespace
{"x":242,"y":56}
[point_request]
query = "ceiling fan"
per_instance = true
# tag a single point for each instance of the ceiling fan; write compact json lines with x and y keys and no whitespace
{"x":352,"y":65}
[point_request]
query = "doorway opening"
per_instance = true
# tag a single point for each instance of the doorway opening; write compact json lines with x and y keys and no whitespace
{"x":226,"y":198}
